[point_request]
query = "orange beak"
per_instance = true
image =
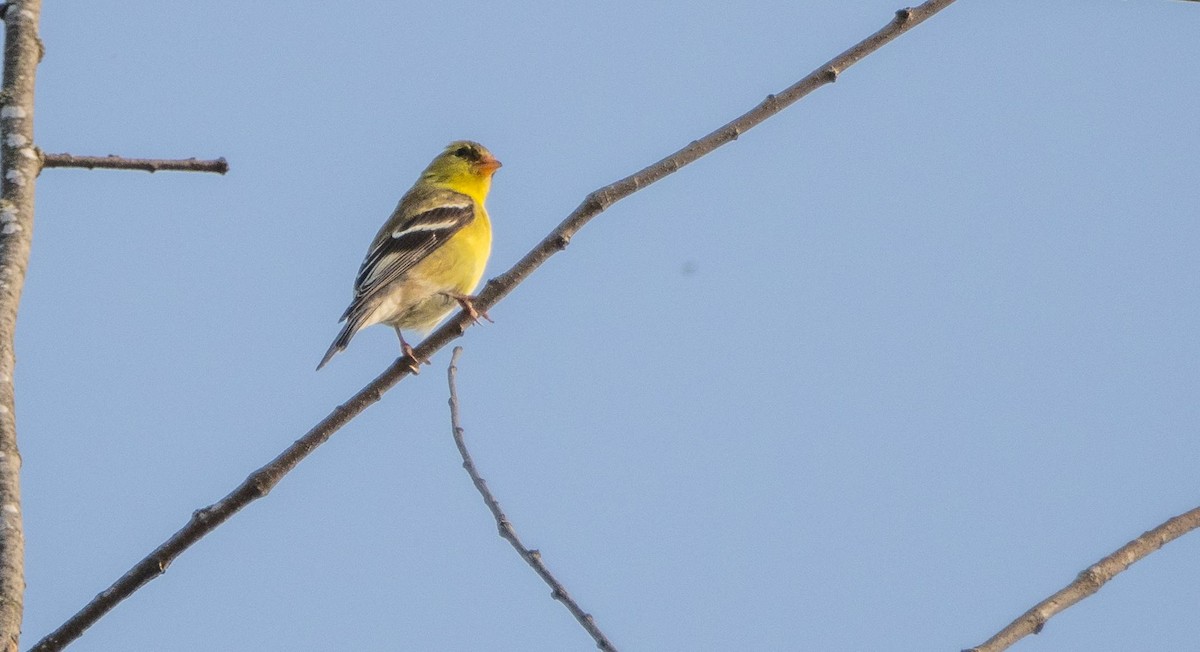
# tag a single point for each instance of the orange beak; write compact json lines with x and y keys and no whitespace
{"x":489,"y":165}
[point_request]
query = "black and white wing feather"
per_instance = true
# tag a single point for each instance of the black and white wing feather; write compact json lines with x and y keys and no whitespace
{"x":399,"y":246}
{"x":397,"y":250}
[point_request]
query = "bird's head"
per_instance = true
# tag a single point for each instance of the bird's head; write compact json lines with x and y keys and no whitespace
{"x":465,"y":166}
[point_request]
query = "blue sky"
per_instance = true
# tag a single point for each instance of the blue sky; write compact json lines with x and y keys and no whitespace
{"x":881,"y":374}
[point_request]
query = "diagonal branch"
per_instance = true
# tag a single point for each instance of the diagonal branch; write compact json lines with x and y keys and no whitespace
{"x":114,"y":162}
{"x":531,"y":557}
{"x":22,"y":52}
{"x":259,"y":483}
{"x":1090,"y":580}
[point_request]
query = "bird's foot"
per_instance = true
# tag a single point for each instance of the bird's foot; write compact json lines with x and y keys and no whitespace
{"x":468,"y":304}
{"x":406,"y":349}
{"x":415,"y":363}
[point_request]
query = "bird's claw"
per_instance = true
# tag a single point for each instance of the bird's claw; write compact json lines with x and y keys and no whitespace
{"x":415,"y":365}
{"x":468,"y":305}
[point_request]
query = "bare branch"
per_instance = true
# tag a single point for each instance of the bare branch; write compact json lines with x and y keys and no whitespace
{"x":531,"y":557}
{"x":261,"y":481}
{"x":114,"y":162}
{"x":22,"y":52}
{"x":1090,"y":581}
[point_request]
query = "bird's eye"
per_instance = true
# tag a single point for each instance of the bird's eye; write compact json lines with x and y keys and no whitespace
{"x":467,"y":153}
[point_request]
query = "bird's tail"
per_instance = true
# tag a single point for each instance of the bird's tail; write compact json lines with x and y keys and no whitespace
{"x":353,"y":322}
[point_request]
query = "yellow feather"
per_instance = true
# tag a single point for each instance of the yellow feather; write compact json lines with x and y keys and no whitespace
{"x":425,"y":293}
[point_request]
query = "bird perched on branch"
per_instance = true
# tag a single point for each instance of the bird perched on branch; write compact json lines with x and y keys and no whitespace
{"x":430,"y":254}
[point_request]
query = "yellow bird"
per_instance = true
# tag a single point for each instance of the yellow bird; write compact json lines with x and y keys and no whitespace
{"x":430,"y":254}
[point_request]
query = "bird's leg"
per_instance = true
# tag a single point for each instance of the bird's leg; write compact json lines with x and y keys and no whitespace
{"x":468,"y":304}
{"x":407,"y":349}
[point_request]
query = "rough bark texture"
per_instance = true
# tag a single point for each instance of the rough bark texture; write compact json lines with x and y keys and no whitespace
{"x":20,"y":164}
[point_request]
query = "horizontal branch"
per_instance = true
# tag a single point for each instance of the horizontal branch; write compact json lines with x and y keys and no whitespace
{"x":1090,"y":581}
{"x":114,"y":162}
{"x":259,"y":483}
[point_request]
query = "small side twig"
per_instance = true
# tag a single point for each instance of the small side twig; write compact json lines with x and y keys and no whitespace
{"x":531,"y":557}
{"x":114,"y":162}
{"x":1090,"y":581}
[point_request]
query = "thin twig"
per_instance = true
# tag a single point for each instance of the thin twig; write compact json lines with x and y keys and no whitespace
{"x":1090,"y":581}
{"x":114,"y":162}
{"x":22,"y":52}
{"x":261,"y":481}
{"x":531,"y":557}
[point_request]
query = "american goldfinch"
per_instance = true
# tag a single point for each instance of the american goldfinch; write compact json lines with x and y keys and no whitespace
{"x":430,"y":254}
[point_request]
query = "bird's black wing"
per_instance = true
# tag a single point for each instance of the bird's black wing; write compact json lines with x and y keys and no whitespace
{"x":398,"y":250}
